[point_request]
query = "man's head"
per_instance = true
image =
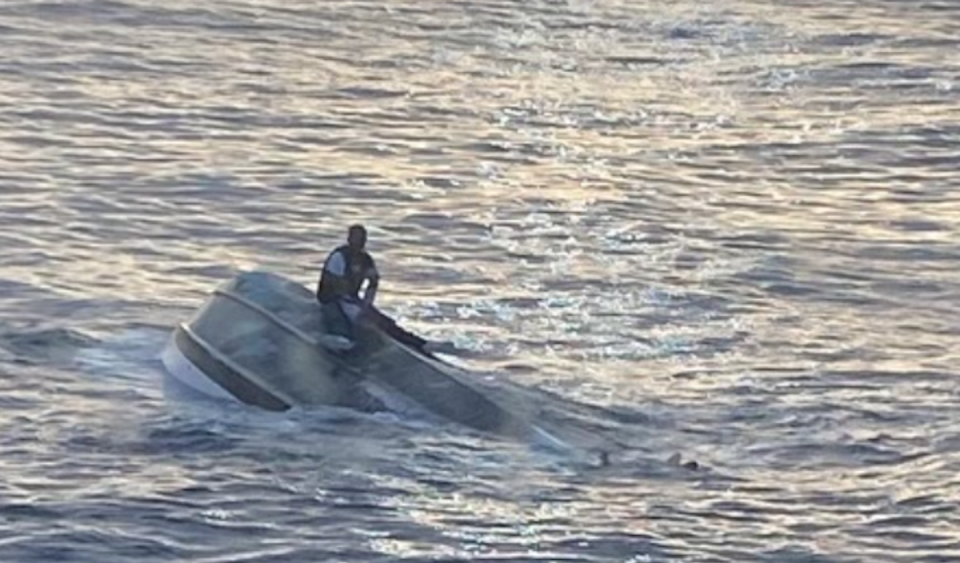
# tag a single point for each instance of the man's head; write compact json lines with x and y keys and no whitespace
{"x":357,"y":237}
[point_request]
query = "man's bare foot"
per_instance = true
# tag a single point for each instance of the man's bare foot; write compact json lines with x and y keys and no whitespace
{"x":440,"y":347}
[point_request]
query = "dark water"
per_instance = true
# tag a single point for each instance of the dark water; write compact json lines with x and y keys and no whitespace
{"x":727,"y":230}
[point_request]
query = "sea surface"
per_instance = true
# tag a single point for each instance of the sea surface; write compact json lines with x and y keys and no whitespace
{"x":718,"y":232}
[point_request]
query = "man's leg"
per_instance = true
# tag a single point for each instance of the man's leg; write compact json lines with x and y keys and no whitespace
{"x":336,"y":321}
{"x":390,"y":326}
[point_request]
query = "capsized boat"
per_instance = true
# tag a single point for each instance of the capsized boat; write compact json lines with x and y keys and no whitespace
{"x":260,"y":339}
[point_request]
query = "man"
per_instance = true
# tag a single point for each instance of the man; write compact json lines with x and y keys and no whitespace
{"x":344,"y":273}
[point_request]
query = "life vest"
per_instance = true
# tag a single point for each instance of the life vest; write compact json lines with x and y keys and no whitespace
{"x":356,"y":268}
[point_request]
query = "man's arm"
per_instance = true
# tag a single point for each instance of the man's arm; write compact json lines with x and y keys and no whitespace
{"x":335,"y":271}
{"x":373,"y":282}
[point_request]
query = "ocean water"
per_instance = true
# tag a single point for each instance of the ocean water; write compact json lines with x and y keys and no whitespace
{"x":726,"y":230}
